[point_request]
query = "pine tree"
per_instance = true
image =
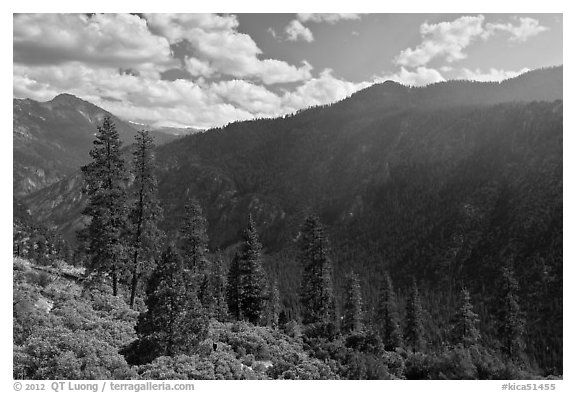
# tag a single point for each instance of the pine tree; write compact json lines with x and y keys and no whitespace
{"x":174,"y":321}
{"x":219,"y":279}
{"x":317,"y":293}
{"x":212,"y":292}
{"x":353,"y":314}
{"x":194,"y":238}
{"x":105,"y":184}
{"x":252,"y":283}
{"x":145,"y":214}
{"x":387,"y":318}
{"x":465,"y":329}
{"x":414,"y":330}
{"x":511,"y":323}
{"x":233,"y":288}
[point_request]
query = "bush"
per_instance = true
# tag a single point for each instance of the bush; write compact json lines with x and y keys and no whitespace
{"x":418,"y":366}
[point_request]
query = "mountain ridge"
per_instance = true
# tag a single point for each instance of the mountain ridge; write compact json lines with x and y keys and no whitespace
{"x":52,"y":139}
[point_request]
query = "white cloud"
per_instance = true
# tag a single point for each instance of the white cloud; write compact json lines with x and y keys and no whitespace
{"x":525,"y":28}
{"x":448,"y":40}
{"x":119,"y":40}
{"x":215,"y":41}
{"x":180,"y":102}
{"x":420,"y":77}
{"x":255,"y":99}
{"x":115,"y":61}
{"x":318,"y":91}
{"x":445,"y":39}
{"x":328,"y":18}
{"x":493,"y":75}
{"x":296,"y":31}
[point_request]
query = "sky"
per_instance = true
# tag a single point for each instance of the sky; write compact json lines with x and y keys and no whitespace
{"x":206,"y":70}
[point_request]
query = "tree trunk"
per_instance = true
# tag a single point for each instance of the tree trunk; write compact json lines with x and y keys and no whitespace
{"x":114,"y":282}
{"x":134,"y":280}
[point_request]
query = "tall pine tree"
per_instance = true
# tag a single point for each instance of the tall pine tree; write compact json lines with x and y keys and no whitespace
{"x":252,"y":282}
{"x":317,"y":293}
{"x":174,"y":322}
{"x":510,"y":323}
{"x":414,"y":330}
{"x":387,"y":316}
{"x":194,"y":237}
{"x":353,"y":314}
{"x":233,"y":288}
{"x":105,"y":181}
{"x":465,"y":330}
{"x":145,"y":213}
{"x":212,"y":293}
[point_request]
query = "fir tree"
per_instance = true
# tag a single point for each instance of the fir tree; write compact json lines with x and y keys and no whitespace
{"x":252,"y":283}
{"x":212,"y":293}
{"x":465,"y":329}
{"x":194,"y":238}
{"x":233,"y":288}
{"x":387,"y":318}
{"x":414,"y":330}
{"x":219,"y":279}
{"x":511,"y":323}
{"x":145,"y":213}
{"x":353,"y":315}
{"x":317,"y":293}
{"x":105,"y":184}
{"x":173,"y":320}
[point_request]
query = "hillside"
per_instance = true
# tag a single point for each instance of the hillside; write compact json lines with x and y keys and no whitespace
{"x":444,"y":184}
{"x":52,"y":139}
{"x":66,"y":330}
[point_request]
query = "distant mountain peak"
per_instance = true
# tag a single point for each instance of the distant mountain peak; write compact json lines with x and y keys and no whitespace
{"x":68,"y":99}
{"x":65,"y":96}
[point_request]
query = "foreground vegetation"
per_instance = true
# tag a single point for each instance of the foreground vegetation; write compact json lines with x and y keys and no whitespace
{"x":64,"y":329}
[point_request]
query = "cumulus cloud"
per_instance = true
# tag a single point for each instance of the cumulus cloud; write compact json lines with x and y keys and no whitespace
{"x":448,"y":40}
{"x":524,"y":29}
{"x":327,"y":18}
{"x":420,"y":77}
{"x":322,"y":90}
{"x":296,"y":31}
{"x":118,"y":61}
{"x":445,"y":39}
{"x":119,"y":40}
{"x":255,"y":99}
{"x":214,"y":40}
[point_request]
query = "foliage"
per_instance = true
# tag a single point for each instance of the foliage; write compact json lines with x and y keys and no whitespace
{"x":77,"y":337}
{"x":145,"y":213}
{"x":387,"y":318}
{"x":414,"y":330}
{"x":465,"y":330}
{"x":510,"y":318}
{"x":193,"y":237}
{"x":317,"y":292}
{"x":173,"y":323}
{"x":105,"y":184}
{"x":353,"y":313}
{"x":252,"y":281}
